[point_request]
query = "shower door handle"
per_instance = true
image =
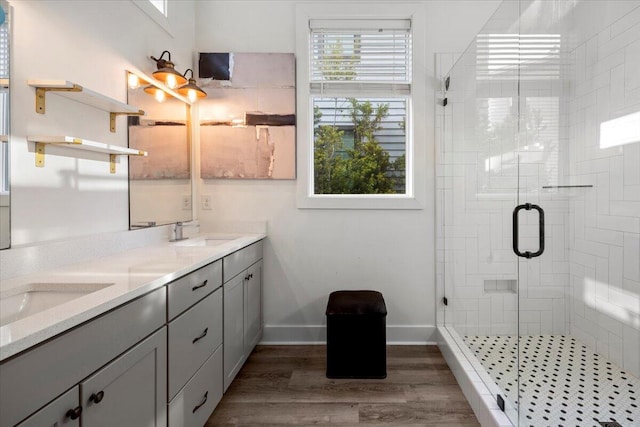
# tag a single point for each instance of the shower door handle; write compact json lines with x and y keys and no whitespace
{"x":516,"y":211}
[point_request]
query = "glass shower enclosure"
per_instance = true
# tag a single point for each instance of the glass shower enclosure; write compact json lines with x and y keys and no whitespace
{"x":539,"y":209}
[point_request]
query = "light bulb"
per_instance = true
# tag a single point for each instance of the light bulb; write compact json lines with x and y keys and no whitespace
{"x":192,"y":95}
{"x":171,"y":81}
{"x":133,"y":81}
{"x":159,"y":95}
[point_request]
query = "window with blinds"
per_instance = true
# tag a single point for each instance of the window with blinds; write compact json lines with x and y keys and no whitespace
{"x":4,"y":104}
{"x":4,"y":51}
{"x":360,"y":75}
{"x":360,"y":54}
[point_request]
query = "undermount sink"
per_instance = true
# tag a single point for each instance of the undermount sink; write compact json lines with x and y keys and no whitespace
{"x":16,"y":304}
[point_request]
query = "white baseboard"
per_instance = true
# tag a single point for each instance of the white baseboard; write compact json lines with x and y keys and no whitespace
{"x":317,"y":334}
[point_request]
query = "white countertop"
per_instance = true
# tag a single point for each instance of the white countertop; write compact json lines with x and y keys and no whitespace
{"x":133,"y":273}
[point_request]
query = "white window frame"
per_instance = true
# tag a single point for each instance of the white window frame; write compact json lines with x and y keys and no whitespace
{"x":162,"y":19}
{"x":163,"y":9}
{"x":416,"y":154}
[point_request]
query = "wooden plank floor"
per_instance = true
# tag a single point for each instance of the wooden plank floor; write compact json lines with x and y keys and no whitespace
{"x":286,"y":385}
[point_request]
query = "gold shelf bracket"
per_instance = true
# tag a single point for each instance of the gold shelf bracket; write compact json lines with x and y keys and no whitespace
{"x":114,"y":114}
{"x":112,"y":163}
{"x":40,"y":154}
{"x":41,"y":95}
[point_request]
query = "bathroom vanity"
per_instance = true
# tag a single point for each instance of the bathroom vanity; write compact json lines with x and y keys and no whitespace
{"x":146,"y":345}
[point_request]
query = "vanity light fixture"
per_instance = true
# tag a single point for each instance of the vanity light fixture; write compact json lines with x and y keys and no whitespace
{"x":166,"y":71}
{"x":191,"y":90}
{"x":133,"y":81}
{"x":153,"y":87}
{"x":157,"y":93}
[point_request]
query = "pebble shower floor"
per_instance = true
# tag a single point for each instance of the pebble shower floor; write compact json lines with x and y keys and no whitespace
{"x":563,"y":382}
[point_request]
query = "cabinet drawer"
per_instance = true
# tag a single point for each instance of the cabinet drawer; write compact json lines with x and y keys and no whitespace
{"x":240,"y":260}
{"x":36,"y":377}
{"x":197,"y":400}
{"x":188,"y":290}
{"x":55,"y":413}
{"x":192,"y":338}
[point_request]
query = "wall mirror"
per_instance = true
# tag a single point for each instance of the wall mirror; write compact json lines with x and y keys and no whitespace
{"x":160,"y":190}
{"x":5,"y":197}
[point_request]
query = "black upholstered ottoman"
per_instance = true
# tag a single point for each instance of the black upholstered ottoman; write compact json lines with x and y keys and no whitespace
{"x":356,"y":335}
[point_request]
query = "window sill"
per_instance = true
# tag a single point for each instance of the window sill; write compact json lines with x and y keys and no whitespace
{"x":353,"y":201}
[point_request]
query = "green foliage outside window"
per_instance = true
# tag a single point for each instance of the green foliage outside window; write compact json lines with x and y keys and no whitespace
{"x":364,"y":169}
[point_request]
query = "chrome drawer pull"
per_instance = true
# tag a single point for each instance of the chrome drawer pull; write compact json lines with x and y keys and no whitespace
{"x":206,"y":396}
{"x":195,"y":288}
{"x":202,"y":335}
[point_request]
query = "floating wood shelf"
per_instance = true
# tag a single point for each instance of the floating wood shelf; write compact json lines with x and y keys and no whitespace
{"x":81,"y":144}
{"x":78,"y":93}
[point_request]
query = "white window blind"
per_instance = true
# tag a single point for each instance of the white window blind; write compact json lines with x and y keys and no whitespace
{"x":518,"y":56}
{"x":4,"y":101}
{"x":370,"y":55}
{"x":4,"y":50}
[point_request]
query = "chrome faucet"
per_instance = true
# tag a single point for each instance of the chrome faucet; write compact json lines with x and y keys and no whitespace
{"x":178,"y":228}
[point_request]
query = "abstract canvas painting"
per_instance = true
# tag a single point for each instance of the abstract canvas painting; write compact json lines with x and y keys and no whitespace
{"x":247,"y":121}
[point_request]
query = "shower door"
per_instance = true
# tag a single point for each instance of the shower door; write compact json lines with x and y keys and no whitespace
{"x":541,"y":217}
{"x":479,"y":190}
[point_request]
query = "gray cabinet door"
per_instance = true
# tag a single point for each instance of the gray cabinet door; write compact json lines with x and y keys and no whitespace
{"x":233,"y":342}
{"x":37,"y":376}
{"x":131,"y":390}
{"x":55,"y":413}
{"x":252,"y":307}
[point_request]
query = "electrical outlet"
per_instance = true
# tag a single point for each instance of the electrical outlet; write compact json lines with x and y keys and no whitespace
{"x":206,"y":203}
{"x":186,"y":202}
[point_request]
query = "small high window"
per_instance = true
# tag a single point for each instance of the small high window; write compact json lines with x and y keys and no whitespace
{"x":157,"y":11}
{"x":161,"y":5}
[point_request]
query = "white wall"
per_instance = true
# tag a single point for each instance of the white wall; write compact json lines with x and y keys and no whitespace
{"x":91,"y":43}
{"x":309,"y":253}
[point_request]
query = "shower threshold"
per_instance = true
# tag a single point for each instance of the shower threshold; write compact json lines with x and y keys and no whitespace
{"x":562,"y":381}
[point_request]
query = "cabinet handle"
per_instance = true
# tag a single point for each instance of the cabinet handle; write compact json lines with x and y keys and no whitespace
{"x":74,"y":413}
{"x":206,"y":396}
{"x":202,"y":335}
{"x":251,"y":276}
{"x":96,"y":397}
{"x":195,"y":288}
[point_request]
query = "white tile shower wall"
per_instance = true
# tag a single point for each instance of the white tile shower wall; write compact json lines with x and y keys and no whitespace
{"x":605,"y":220}
{"x":477,"y":188}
